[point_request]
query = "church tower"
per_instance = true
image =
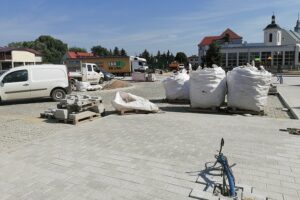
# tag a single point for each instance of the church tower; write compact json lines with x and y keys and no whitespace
{"x":272,"y":33}
{"x":297,"y":27}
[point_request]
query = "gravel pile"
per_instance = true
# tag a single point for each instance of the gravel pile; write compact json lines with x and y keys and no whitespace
{"x":116,"y":84}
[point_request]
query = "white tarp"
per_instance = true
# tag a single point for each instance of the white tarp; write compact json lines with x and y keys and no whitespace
{"x":82,"y":86}
{"x":86,"y":86}
{"x":207,"y":87}
{"x":126,"y":102}
{"x":177,"y":86}
{"x":248,"y":88}
{"x":94,"y":87}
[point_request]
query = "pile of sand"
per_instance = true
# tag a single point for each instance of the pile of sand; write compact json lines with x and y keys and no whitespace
{"x":116,"y":84}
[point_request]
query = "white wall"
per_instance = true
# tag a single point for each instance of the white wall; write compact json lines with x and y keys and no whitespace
{"x":38,"y":59}
{"x":23,"y":56}
{"x":276,"y":40}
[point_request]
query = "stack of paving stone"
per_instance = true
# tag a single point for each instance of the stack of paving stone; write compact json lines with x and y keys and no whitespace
{"x":75,"y":108}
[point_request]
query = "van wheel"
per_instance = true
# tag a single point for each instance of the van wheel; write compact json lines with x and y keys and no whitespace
{"x":101,"y":80}
{"x":58,"y":94}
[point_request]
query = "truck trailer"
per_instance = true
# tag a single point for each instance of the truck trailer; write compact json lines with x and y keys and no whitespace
{"x":117,"y":65}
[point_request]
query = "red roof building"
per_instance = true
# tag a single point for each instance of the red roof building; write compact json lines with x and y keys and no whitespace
{"x":74,"y":55}
{"x":227,"y":36}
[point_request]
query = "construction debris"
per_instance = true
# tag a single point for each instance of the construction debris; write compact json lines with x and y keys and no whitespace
{"x":76,"y":108}
{"x":273,"y":90}
{"x":143,"y":76}
{"x":116,"y":84}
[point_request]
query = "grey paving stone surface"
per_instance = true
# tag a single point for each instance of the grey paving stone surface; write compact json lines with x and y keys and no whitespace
{"x":154,"y":156}
{"x":290,"y":92}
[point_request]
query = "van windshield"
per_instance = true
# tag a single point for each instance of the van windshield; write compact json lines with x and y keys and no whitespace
{"x":143,"y":63}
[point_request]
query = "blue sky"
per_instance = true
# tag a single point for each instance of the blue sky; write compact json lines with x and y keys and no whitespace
{"x":177,"y":25}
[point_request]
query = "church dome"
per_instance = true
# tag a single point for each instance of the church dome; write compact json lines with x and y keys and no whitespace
{"x":273,"y":24}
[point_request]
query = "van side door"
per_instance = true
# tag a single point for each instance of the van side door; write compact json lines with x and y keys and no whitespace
{"x":16,"y":85}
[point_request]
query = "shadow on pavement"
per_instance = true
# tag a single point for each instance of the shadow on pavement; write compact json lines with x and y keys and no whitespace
{"x":27,"y":101}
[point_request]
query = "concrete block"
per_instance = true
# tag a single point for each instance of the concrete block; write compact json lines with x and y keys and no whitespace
{"x":97,"y":108}
{"x":61,"y":114}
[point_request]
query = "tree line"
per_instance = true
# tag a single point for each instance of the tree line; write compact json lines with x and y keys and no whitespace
{"x":53,"y":50}
{"x":162,"y":60}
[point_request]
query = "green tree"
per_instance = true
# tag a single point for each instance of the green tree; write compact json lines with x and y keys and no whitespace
{"x":181,"y":57}
{"x":116,"y":51}
{"x":123,"y":52}
{"x":25,"y":44}
{"x":52,"y":49}
{"x":77,"y":49}
{"x":213,"y":55}
{"x":145,"y":55}
{"x":100,"y":51}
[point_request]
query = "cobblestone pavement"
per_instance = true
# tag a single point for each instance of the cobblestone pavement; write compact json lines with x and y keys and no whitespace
{"x":20,"y":122}
{"x":290,"y":91}
{"x":154,"y":156}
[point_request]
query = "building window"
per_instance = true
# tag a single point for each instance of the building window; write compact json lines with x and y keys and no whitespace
{"x":223,"y":59}
{"x":243,"y":58}
{"x":253,"y":56}
{"x":289,"y":58}
{"x":232,"y":59}
{"x":270,"y":37}
{"x":277,"y":58}
{"x":266,"y":59}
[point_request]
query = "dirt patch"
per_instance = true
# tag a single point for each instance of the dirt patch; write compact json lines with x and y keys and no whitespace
{"x":116,"y":84}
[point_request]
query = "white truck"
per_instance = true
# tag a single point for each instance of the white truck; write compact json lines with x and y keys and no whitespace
{"x":87,"y":72}
{"x":138,"y":64}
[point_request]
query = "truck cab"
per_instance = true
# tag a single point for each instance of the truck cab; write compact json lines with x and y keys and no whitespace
{"x":87,"y":72}
{"x":138,"y":64}
{"x":91,"y":73}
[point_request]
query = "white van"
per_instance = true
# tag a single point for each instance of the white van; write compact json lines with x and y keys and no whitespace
{"x":35,"y":81}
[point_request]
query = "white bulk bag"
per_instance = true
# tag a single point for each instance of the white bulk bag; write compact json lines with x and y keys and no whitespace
{"x":177,"y":86}
{"x":82,"y":86}
{"x":248,"y":88}
{"x":207,"y":87}
{"x":126,"y":102}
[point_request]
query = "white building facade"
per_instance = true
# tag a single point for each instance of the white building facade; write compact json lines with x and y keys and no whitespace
{"x":14,"y":57}
{"x":280,"y":49}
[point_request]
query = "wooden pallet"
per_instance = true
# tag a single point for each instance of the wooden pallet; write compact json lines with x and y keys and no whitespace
{"x":242,"y":112}
{"x":177,"y":101}
{"x":205,"y":110}
{"x":126,"y":112}
{"x":82,"y":116}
